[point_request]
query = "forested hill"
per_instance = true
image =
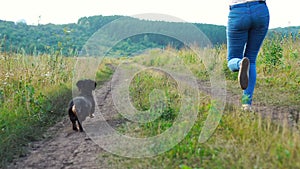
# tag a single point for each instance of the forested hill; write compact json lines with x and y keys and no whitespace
{"x":68,"y":39}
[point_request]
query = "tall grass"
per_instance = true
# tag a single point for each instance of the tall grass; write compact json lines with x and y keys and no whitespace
{"x":241,"y":140}
{"x":33,"y":92}
{"x":279,"y":72}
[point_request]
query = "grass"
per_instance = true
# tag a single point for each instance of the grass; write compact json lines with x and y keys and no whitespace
{"x":105,"y":70}
{"x":278,"y":74}
{"x":34,"y":90}
{"x":241,"y":140}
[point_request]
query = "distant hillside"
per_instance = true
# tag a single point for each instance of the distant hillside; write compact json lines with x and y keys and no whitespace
{"x":49,"y":38}
{"x":68,"y":39}
{"x":292,"y":31}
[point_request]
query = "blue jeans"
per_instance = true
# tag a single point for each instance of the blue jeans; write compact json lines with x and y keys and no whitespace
{"x":248,"y":25}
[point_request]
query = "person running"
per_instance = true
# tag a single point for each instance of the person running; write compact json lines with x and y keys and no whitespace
{"x":248,"y":24}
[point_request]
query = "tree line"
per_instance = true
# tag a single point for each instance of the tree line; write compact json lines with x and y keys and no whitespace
{"x":69,"y":39}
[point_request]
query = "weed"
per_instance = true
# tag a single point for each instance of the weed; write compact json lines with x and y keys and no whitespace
{"x":271,"y":54}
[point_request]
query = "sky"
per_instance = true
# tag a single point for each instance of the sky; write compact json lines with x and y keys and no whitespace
{"x":282,"y":13}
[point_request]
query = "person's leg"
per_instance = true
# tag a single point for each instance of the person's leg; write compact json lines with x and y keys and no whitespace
{"x":260,"y":17}
{"x":237,"y":36}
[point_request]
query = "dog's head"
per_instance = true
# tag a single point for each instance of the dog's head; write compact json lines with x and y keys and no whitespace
{"x":86,"y":86}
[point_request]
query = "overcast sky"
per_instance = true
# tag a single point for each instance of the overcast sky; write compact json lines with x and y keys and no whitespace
{"x":283,"y":12}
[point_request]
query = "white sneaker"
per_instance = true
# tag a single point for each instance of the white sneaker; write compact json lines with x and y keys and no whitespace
{"x":247,"y":107}
{"x":244,"y":73}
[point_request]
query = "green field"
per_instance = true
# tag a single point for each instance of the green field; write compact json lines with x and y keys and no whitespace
{"x":35,"y":89}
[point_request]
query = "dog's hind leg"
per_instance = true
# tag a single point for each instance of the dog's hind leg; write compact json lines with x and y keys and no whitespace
{"x":73,"y":118}
{"x":74,"y":126}
{"x":80,"y":127}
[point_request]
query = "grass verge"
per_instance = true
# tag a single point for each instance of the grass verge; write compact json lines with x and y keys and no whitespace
{"x":241,"y":140}
{"x":33,"y":95}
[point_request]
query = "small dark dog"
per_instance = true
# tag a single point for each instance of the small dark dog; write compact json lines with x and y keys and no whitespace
{"x":83,"y":105}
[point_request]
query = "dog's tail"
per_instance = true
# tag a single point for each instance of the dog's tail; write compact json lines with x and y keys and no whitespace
{"x":74,"y":110}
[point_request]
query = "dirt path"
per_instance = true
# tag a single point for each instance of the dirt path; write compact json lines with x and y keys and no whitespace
{"x":66,"y":149}
{"x":280,"y":114}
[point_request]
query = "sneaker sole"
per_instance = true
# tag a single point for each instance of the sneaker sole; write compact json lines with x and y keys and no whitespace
{"x":244,"y":73}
